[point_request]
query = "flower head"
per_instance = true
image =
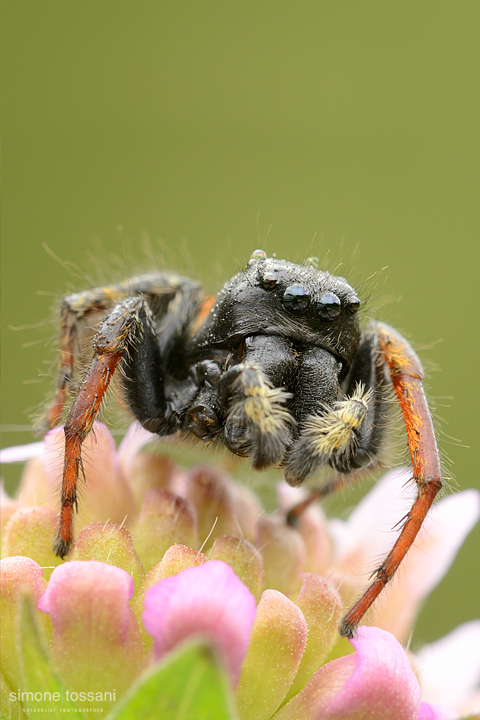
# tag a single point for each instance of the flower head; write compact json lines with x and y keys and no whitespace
{"x":187,"y":556}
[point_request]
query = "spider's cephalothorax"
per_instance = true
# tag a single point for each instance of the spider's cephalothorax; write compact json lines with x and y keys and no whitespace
{"x":285,"y":375}
{"x":278,"y":370}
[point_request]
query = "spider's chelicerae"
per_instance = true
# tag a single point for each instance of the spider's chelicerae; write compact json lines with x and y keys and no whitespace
{"x":277,"y":369}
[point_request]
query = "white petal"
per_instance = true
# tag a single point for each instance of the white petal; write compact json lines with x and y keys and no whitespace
{"x":20,"y":453}
{"x":368,"y":534}
{"x":449,"y":669}
{"x":434,"y":550}
{"x":132,"y":442}
{"x":443,"y":532}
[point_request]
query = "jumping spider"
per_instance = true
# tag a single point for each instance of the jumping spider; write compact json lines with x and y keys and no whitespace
{"x":277,"y":369}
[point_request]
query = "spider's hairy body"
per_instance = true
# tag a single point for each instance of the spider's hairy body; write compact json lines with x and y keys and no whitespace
{"x":278,"y":369}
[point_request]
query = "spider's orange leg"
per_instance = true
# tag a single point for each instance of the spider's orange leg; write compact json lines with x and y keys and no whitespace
{"x":74,"y":310}
{"x":109,"y":345}
{"x":68,"y":340}
{"x":406,"y":375}
{"x":338,"y":483}
{"x":79,"y":423}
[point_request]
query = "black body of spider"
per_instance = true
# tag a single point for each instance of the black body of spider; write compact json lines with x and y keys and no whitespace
{"x":278,"y":370}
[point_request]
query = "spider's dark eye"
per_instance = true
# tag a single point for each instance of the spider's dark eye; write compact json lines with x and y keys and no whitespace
{"x":328,"y":307}
{"x":296,"y":299}
{"x":353,"y":306}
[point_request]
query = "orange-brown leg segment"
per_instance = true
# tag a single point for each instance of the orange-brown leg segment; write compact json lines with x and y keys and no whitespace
{"x":406,"y":374}
{"x":338,"y":483}
{"x":79,"y":423}
{"x":68,"y":338}
{"x":109,"y":345}
{"x":74,"y":311}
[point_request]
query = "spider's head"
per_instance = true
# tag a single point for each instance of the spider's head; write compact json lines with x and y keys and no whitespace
{"x":276,"y":297}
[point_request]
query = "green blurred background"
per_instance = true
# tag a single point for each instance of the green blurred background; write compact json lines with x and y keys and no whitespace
{"x":345,"y":130}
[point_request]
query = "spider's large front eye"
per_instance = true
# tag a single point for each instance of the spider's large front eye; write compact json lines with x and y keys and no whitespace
{"x":296,"y":299}
{"x":328,"y":307}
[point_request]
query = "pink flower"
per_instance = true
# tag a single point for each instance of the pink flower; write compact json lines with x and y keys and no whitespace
{"x":377,"y":682}
{"x":208,"y":600}
{"x":96,"y":642}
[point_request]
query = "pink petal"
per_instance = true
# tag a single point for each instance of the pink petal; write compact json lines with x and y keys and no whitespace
{"x":247,"y":509}
{"x":244,"y":559}
{"x":18,"y":572}
{"x":208,"y":600}
{"x":111,"y":544}
{"x":96,"y":640}
{"x":383,"y":681}
{"x":176,"y":559}
{"x":30,"y":532}
{"x":368,"y":533}
{"x":17,"y":576}
{"x":283,"y":554}
{"x":436,"y":712}
{"x":274,"y":654}
{"x":312,"y":526}
{"x":375,"y":684}
{"x":209,"y":490}
{"x":165,"y":520}
{"x":80,"y":589}
{"x":321,"y":607}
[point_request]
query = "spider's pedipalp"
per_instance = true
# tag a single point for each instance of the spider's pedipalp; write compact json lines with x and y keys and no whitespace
{"x":258,"y":420}
{"x":331,"y":438}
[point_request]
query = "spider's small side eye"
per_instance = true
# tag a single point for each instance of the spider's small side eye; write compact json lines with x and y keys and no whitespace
{"x":354,"y":305}
{"x":328,"y":307}
{"x":268,"y":280}
{"x":296,"y":299}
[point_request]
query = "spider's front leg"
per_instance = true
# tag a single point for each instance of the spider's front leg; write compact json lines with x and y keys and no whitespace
{"x":128,"y":325}
{"x":406,"y":375}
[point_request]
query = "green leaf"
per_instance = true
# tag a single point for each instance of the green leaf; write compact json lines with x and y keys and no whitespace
{"x":190,"y":685}
{"x":42,"y":690}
